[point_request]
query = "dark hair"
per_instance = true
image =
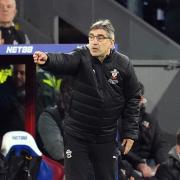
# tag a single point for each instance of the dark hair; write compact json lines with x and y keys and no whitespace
{"x":178,"y":137}
{"x":105,"y":25}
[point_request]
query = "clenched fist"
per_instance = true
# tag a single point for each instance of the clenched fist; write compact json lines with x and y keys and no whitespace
{"x":40,"y":57}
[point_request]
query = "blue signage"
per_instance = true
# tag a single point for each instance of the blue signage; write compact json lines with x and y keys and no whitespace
{"x":28,"y":49}
{"x":25,"y":49}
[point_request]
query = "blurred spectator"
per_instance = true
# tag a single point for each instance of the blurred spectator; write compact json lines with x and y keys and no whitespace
{"x":50,"y":123}
{"x":50,"y":130}
{"x":151,"y":149}
{"x":12,"y":99}
{"x":170,"y":170}
{"x":9,"y":34}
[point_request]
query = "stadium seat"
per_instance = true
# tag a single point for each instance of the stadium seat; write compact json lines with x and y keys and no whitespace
{"x":18,"y":141}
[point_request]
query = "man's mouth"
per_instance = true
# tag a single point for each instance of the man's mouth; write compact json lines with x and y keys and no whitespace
{"x":95,"y":49}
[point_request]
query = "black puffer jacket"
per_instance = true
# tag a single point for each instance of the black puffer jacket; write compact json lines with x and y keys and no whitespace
{"x":101,"y":94}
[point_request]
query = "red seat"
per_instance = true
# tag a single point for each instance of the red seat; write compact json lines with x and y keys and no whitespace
{"x":57,"y":168}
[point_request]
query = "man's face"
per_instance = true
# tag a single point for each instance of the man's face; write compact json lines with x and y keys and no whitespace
{"x":19,"y":75}
{"x":7,"y":11}
{"x":100,"y":43}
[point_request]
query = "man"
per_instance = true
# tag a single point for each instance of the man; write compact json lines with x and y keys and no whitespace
{"x":9,"y":34}
{"x":151,"y":148}
{"x":170,"y":170}
{"x":50,"y":123}
{"x":105,"y":88}
{"x":12,"y":99}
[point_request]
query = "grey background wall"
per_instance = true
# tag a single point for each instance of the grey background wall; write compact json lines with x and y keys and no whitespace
{"x":162,"y":87}
{"x":134,"y":37}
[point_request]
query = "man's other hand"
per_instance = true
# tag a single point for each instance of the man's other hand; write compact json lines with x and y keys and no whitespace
{"x":127,"y":144}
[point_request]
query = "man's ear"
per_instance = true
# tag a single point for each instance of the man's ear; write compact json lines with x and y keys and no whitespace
{"x":112,"y":44}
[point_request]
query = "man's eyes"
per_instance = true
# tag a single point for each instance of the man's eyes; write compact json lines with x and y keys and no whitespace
{"x":98,"y":37}
{"x":101,"y":37}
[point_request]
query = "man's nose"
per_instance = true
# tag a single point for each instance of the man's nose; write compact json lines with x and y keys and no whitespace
{"x":18,"y":75}
{"x":4,"y":8}
{"x":95,"y":40}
